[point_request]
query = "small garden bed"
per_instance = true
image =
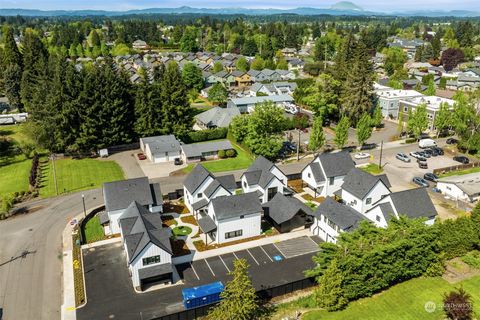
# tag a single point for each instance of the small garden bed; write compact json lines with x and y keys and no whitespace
{"x":179,"y":208}
{"x":372,"y":168}
{"x":296,"y":185}
{"x":78,"y":270}
{"x":309,"y":197}
{"x":189,"y":220}
{"x":168,"y":221}
{"x":200,"y":244}
{"x":179,"y":247}
{"x":181,"y":231}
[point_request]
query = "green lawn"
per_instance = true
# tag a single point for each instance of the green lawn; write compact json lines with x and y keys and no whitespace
{"x":372,"y":168}
{"x":460,"y":172}
{"x":14,"y":174}
{"x":76,"y":175}
{"x":404,"y":301}
{"x":242,"y":161}
{"x":94,"y":230}
{"x":182,"y":231}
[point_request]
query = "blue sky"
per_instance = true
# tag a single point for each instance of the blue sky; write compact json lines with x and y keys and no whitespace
{"x":373,"y":5}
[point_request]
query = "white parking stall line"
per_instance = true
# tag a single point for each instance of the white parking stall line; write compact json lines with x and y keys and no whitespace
{"x":266,"y":253}
{"x":235,"y":256}
{"x":253,"y":258}
{"x":224,"y":264}
{"x":209,"y":267}
{"x":194,"y":271}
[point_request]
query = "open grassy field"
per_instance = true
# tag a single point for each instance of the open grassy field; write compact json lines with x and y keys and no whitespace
{"x":77,"y":175}
{"x":242,"y":161}
{"x":404,"y":301}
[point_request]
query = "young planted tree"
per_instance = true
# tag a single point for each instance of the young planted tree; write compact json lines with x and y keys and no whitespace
{"x":218,"y":94}
{"x":443,"y":119}
{"x":364,"y":129}
{"x":377,"y":117}
{"x":330,"y":294}
{"x":239,"y":300}
{"x":418,"y":120}
{"x":341,"y":132}
{"x":317,"y":137}
{"x":458,"y":305}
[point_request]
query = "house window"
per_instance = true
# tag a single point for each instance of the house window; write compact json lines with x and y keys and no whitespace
{"x":331,"y":224}
{"x":199,"y":195}
{"x":150,"y":260}
{"x":369,"y":200}
{"x":245,"y":184}
{"x":405,"y":109}
{"x":233,"y":234}
{"x":377,"y":218}
{"x":271,"y":193}
{"x":309,"y":175}
{"x":242,"y":216}
{"x":332,"y":180}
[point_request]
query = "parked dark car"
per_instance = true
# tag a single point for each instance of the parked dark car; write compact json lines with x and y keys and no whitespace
{"x":461,"y":159}
{"x":424,"y":154}
{"x":178,"y":161}
{"x":368,"y":146}
{"x":421,"y":182}
{"x":434,"y":152}
{"x":429,"y":152}
{"x":422,"y":164}
{"x":289,"y":146}
{"x":452,"y":141}
{"x":430,"y":177}
{"x":438,"y":150}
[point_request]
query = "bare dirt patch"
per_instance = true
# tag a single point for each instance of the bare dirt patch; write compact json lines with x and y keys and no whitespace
{"x":456,"y":270}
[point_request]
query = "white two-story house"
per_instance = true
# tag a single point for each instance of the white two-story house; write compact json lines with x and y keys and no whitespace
{"x":231,"y":218}
{"x":118,"y":195}
{"x":325,"y":174}
{"x":147,"y":246}
{"x":201,"y":186}
{"x":332,"y":218}
{"x":361,"y":190}
{"x":413,"y":203}
{"x":264,"y":178}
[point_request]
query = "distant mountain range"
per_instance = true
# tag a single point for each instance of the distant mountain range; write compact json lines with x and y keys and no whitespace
{"x":340,"y":8}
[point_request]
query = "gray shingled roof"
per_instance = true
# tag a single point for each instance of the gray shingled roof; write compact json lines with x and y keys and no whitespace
{"x":198,"y":149}
{"x":414,"y":203}
{"x":157,"y":270}
{"x":282,"y":209}
{"x":227,"y":181}
{"x":207,"y":224}
{"x":199,"y":204}
{"x":387,"y":211}
{"x":317,"y":172}
{"x":141,"y":227}
{"x":341,"y":215}
{"x":161,"y":144}
{"x":337,"y":163}
{"x":120,"y":194}
{"x":196,"y":177}
{"x":359,"y":183}
{"x":259,"y":172}
{"x":217,"y":117}
{"x":227,"y":207}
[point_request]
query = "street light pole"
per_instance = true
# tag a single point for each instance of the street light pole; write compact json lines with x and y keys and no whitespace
{"x":84,"y":209}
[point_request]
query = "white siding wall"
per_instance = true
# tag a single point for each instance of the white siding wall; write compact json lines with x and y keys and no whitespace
{"x":451,"y":190}
{"x":360,"y":205}
{"x":307,"y":177}
{"x":372,"y":216}
{"x":148,"y":251}
{"x":323,"y":230}
{"x":114,"y":217}
{"x":192,"y":198}
{"x":331,"y":188}
{"x":279,"y":174}
{"x":221,"y":191}
{"x":251,"y":226}
{"x":274,"y":183}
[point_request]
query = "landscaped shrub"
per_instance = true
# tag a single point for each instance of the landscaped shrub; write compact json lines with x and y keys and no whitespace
{"x":205,"y":135}
{"x":33,"y":179}
{"x":231,"y":153}
{"x":472,"y":259}
{"x":222,"y":154}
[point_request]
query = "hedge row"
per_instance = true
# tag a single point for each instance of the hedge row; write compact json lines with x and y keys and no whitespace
{"x":205,"y":135}
{"x":34,"y":172}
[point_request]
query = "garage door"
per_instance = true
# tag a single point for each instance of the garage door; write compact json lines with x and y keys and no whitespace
{"x":164,"y":278}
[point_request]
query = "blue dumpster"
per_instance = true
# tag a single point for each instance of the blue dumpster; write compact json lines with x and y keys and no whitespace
{"x":202,"y":295}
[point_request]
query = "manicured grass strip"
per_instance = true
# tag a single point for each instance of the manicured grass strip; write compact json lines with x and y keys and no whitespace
{"x":372,"y":168}
{"x":14,"y":175}
{"x":77,"y":175}
{"x":78,"y":271}
{"x":94,"y":230}
{"x":460,"y":172}
{"x":405,"y":301}
{"x":242,"y":161}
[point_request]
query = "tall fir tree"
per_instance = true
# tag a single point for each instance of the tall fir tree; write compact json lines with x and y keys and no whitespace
{"x":177,"y":112}
{"x":12,"y":66}
{"x":357,"y":94}
{"x":343,"y":58}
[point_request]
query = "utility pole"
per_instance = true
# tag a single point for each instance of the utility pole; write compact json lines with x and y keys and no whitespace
{"x":54,"y":173}
{"x":84,"y":209}
{"x":298,"y":145}
{"x":381,"y":153}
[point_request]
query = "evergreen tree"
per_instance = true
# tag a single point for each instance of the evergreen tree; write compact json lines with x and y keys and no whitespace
{"x":177,"y":112}
{"x":11,"y":77}
{"x":192,"y":76}
{"x":239,"y":300}
{"x":330,"y":294}
{"x":364,"y":129}
{"x":218,"y":94}
{"x":357,"y":97}
{"x":317,"y":137}
{"x":11,"y":54}
{"x":344,"y":58}
{"x":341,"y":132}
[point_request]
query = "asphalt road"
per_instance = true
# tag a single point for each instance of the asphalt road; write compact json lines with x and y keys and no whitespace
{"x":30,"y":284}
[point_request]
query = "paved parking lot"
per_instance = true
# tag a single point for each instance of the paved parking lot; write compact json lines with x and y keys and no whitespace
{"x":110,"y":293}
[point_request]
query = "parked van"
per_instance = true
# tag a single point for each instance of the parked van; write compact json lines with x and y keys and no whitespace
{"x":427,"y":143}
